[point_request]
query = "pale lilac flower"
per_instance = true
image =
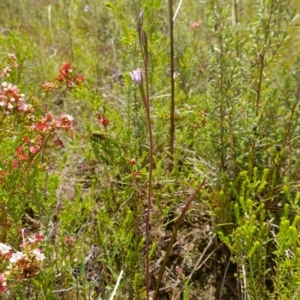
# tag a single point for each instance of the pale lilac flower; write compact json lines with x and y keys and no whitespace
{"x":86,"y":8}
{"x":137,"y":76}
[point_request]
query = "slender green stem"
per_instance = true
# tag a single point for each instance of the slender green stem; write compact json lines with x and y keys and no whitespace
{"x":235,"y":16}
{"x":262,"y":58}
{"x":172,"y":107}
{"x":146,"y":100}
{"x":258,"y":91}
{"x":151,"y":150}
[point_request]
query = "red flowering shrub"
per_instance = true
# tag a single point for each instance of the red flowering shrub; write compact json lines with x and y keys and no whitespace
{"x":24,"y":137}
{"x":11,"y":63}
{"x":65,"y":77}
{"x":12,"y":101}
{"x":20,"y":265}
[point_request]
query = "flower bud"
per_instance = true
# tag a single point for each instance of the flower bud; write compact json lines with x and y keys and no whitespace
{"x":144,"y":43}
{"x":139,"y":23}
{"x":137,"y":76}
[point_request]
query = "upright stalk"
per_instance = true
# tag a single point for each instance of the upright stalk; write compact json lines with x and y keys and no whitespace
{"x":172,"y":107}
{"x":147,"y":107}
{"x":235,"y":18}
{"x":143,"y":40}
{"x":262,"y":55}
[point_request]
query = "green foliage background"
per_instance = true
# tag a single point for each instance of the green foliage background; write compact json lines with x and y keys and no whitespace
{"x":237,"y":123}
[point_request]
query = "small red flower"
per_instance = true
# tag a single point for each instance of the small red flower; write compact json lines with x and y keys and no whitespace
{"x":7,"y":256}
{"x":15,"y":164}
{"x":65,"y":122}
{"x":41,"y":126}
{"x":132,"y":161}
{"x":48,"y":86}
{"x":194,"y":25}
{"x":19,"y":150}
{"x":65,"y":75}
{"x":60,"y":77}
{"x":66,"y":69}
{"x":48,"y":117}
{"x":69,"y":240}
{"x":38,"y":237}
{"x":78,"y":79}
{"x":1,"y":177}
{"x":103,"y":120}
{"x":137,"y":174}
{"x":33,"y":150}
{"x":58,"y":142}
{"x":20,"y":153}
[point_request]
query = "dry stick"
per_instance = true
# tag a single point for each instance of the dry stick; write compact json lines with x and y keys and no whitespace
{"x":224,"y":277}
{"x":116,"y":286}
{"x":198,"y":265}
{"x":173,"y":237}
{"x":177,"y":10}
{"x":172,"y":107}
